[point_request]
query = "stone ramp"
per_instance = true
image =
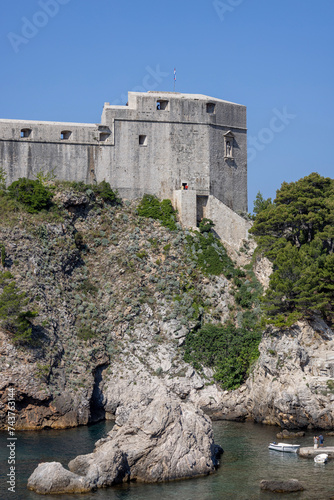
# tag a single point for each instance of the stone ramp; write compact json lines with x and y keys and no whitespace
{"x":310,"y":452}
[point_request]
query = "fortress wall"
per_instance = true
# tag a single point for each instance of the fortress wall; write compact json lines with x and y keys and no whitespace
{"x":230,"y":114}
{"x":229,"y":175}
{"x":173,"y":153}
{"x":176,"y":149}
{"x":75,"y":158}
{"x":185,"y":203}
{"x":229,"y":226}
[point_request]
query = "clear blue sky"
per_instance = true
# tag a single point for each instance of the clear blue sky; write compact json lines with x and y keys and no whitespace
{"x":275,"y":57}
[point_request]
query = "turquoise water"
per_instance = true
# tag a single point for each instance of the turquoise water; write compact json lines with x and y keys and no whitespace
{"x":245,"y":462}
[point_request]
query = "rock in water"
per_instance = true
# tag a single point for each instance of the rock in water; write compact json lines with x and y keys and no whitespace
{"x":287,"y":486}
{"x":163,"y":439}
{"x":103,"y":469}
{"x":166,"y":440}
{"x":51,"y":477}
{"x":285,"y":434}
{"x":158,"y":439}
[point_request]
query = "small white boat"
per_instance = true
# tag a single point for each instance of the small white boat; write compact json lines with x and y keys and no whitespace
{"x":286,"y":447}
{"x":321,"y":459}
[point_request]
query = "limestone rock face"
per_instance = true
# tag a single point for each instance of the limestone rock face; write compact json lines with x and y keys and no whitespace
{"x":102,"y":469}
{"x":52,"y":478}
{"x":163,"y":439}
{"x":71,"y":199}
{"x":263,"y":269}
{"x":292,"y":382}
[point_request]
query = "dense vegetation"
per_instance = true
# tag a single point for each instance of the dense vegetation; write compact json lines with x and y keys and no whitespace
{"x":209,"y":254}
{"x":32,"y":193}
{"x":296,"y":232}
{"x":14,"y":317}
{"x":151,"y":206}
{"x":231,"y":348}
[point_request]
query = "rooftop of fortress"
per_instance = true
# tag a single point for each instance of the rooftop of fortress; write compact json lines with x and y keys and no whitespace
{"x":133,"y":98}
{"x":179,"y":95}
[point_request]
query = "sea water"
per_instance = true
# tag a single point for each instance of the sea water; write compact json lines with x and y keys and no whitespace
{"x":246,"y":460}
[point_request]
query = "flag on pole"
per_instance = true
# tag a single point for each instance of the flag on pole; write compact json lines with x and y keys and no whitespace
{"x":174,"y":75}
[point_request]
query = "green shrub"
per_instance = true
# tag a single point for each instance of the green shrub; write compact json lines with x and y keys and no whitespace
{"x":87,"y":286}
{"x":3,"y":255}
{"x":31,"y":193}
{"x":209,"y":255}
{"x":13,"y":318}
{"x":85,"y":333}
{"x":206,"y":225}
{"x":230,"y":351}
{"x":79,"y":241}
{"x":151,"y":207}
{"x":104,"y":191}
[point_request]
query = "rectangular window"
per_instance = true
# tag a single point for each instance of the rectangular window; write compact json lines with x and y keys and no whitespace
{"x":143,"y":140}
{"x":26,"y":132}
{"x":162,"y":105}
{"x":65,"y":135}
{"x":103,"y":136}
{"x":210,"y":108}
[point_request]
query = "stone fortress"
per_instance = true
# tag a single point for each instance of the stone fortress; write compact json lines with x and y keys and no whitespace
{"x":189,"y":148}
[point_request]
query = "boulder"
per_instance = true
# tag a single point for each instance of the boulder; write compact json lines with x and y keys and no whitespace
{"x":71,"y":199}
{"x":169,"y":440}
{"x":285,"y":434}
{"x":163,"y":439}
{"x":102,"y":469}
{"x":51,"y":477}
{"x":287,"y":486}
{"x":157,"y":439}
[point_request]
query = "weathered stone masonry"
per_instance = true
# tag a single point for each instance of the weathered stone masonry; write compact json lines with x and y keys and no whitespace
{"x":156,"y":144}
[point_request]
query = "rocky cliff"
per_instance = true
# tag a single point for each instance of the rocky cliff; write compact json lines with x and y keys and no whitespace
{"x":114,"y":311}
{"x":292,"y":383}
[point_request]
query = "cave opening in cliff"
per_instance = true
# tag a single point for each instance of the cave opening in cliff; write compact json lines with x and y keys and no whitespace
{"x":97,"y":410}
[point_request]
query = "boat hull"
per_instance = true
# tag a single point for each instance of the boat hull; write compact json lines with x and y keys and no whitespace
{"x":284,"y":447}
{"x":321,"y":459}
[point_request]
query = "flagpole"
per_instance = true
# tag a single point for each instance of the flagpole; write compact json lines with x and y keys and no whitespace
{"x":174,"y":78}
